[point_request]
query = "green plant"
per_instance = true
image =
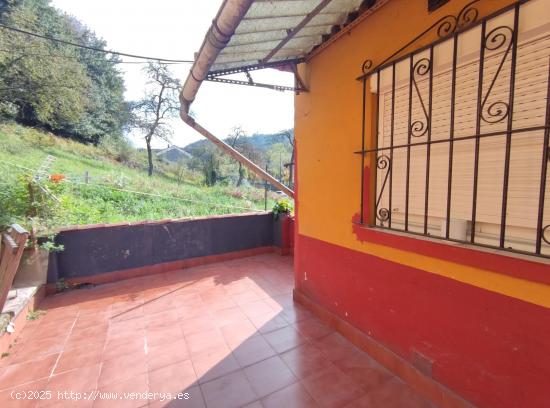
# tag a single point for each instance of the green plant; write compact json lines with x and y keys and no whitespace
{"x":61,"y":285}
{"x":282,"y":206}
{"x":35,"y":314}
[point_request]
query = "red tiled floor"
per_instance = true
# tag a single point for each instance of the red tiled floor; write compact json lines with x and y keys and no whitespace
{"x":305,"y":360}
{"x":84,"y":356}
{"x":230,"y":391}
{"x":18,"y":374}
{"x":332,"y":388}
{"x":167,"y":354}
{"x":173,"y":379}
{"x":252,"y":350}
{"x":285,"y":339}
{"x":223,"y":335}
{"x":269,"y":375}
{"x":137,"y":384}
{"x":82,"y":380}
{"x":122,"y":367}
{"x":293,"y":396}
{"x":214,"y":363}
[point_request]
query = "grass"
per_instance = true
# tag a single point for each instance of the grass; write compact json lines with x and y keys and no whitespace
{"x":112,"y":193}
{"x":35,"y":314}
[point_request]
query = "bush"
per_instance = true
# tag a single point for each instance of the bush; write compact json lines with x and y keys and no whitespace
{"x":118,"y":148}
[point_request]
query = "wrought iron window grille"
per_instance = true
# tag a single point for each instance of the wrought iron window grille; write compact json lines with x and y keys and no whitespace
{"x":492,"y":119}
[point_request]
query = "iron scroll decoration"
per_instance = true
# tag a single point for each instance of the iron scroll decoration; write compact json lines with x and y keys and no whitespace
{"x":499,"y":38}
{"x":543,"y":235}
{"x":420,"y":127}
{"x":383,"y":162}
{"x":446,"y":25}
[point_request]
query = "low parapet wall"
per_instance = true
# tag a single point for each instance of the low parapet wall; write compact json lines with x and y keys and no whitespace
{"x":99,"y":253}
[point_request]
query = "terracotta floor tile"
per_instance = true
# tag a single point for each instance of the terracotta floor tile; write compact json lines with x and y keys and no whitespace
{"x":268,"y":322}
{"x":33,"y":349}
{"x":163,"y":335}
{"x":255,"y":404}
{"x":285,"y":339}
{"x":162,"y":319}
{"x":174,"y":378}
{"x":203,"y":341}
{"x":214,"y":363}
{"x":313,"y":328}
{"x":305,"y":360}
{"x":396,"y":394}
{"x":166,"y":354}
{"x":257,"y":308}
{"x":118,"y":347}
{"x":197,"y":324}
{"x":236,"y":333}
{"x":252,"y":350}
{"x":82,"y":380}
{"x":269,"y":375}
{"x":361,"y":369}
{"x":245,"y":297}
{"x":227,"y":316}
{"x":191,"y":398}
{"x":137,"y":384}
{"x":332,"y":388}
{"x":293,"y":396}
{"x":84,"y":356}
{"x":119,"y":329}
{"x":127,"y":313}
{"x":17,"y":374}
{"x":16,"y":397}
{"x":336,"y":347}
{"x":296,"y":314}
{"x":219,"y":325}
{"x":365,"y":401}
{"x":230,"y":391}
{"x":122,"y":367}
{"x":94,"y":335}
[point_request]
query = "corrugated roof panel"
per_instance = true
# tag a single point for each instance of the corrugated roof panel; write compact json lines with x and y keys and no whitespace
{"x":252,"y":38}
{"x":267,"y":23}
{"x":297,"y":42}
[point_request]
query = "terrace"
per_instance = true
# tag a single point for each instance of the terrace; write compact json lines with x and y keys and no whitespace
{"x":228,"y":334}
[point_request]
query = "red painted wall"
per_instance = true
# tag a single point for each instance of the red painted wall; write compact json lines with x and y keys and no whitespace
{"x":491,"y":349}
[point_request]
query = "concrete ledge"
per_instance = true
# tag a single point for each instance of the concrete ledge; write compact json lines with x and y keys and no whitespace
{"x":109,"y":277}
{"x":428,"y":387}
{"x":20,"y":319}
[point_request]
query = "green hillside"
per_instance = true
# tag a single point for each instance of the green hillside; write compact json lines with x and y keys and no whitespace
{"x":114,"y":191}
{"x":262,"y":142}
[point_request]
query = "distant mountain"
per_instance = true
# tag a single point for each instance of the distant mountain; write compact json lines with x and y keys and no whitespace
{"x":259,"y":141}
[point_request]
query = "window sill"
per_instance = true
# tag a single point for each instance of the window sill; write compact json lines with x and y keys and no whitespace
{"x":518,"y":265}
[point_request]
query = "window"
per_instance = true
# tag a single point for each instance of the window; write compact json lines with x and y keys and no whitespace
{"x":462,"y":135}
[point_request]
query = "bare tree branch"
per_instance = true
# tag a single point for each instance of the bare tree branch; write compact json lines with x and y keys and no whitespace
{"x":159,"y":103}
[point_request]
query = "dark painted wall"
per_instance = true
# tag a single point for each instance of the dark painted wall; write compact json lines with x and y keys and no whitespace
{"x":101,"y":249}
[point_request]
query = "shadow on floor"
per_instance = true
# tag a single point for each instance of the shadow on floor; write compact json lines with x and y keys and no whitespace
{"x":220,"y":335}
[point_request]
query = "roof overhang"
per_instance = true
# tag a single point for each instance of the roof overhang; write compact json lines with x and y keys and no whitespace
{"x":248,"y":35}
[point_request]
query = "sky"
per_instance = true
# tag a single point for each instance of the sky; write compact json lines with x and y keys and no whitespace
{"x":175,"y":29}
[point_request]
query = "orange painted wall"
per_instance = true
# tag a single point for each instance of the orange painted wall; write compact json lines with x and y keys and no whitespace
{"x":484,"y":318}
{"x":328,"y":131}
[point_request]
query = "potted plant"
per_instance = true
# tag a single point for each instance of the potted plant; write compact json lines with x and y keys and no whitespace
{"x":281,"y":230}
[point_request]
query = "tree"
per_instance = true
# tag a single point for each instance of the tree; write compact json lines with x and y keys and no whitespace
{"x":237,"y":141}
{"x":152,"y":113}
{"x":68,"y":90}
